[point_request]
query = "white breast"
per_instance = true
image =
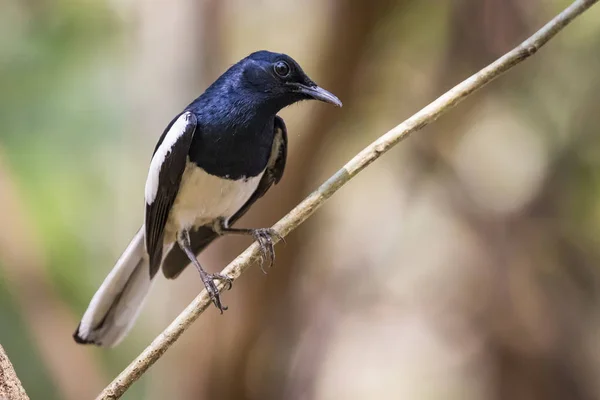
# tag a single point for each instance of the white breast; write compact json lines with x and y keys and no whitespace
{"x":202,"y":198}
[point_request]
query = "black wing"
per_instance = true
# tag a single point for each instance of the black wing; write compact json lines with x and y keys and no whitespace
{"x":176,"y":260}
{"x":162,"y":185}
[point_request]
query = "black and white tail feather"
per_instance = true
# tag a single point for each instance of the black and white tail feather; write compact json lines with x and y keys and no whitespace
{"x":116,"y":305}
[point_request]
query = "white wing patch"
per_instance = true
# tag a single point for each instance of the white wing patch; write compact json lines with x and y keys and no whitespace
{"x":177,"y":130}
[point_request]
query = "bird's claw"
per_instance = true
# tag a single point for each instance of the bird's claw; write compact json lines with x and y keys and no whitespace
{"x":264,"y":238}
{"x":220,"y":277}
{"x":213,"y":291}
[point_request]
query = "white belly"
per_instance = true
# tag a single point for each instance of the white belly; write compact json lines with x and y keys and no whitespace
{"x":202,"y":198}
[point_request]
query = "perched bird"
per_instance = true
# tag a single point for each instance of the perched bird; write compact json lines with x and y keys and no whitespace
{"x":211,"y":164}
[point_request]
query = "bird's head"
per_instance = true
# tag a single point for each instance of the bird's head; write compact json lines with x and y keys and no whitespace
{"x":279,"y":80}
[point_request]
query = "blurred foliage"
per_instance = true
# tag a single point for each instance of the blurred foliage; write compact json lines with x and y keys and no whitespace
{"x":56,"y":114}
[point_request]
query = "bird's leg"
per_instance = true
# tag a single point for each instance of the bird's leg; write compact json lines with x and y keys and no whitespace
{"x":183,"y":239}
{"x":263,"y":236}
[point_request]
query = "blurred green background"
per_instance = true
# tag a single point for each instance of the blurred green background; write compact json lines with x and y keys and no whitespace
{"x":462,"y":265}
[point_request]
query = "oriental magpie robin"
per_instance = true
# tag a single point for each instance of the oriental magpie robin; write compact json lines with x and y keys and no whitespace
{"x":212,"y":162}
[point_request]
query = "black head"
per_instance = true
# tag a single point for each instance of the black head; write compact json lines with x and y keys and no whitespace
{"x":280,"y":80}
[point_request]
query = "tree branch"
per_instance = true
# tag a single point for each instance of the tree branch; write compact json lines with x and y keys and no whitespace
{"x":305,"y":209}
{"x":10,"y":385}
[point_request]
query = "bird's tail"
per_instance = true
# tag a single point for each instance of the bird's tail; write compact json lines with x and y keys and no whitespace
{"x":116,"y":305}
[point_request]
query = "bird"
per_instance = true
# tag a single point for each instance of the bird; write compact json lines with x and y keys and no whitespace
{"x":213,"y":161}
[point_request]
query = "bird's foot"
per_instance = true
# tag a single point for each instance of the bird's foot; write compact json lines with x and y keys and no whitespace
{"x":264,"y":238}
{"x":213,"y":291}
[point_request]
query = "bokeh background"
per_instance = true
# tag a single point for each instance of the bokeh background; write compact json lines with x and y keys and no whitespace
{"x":464,"y":264}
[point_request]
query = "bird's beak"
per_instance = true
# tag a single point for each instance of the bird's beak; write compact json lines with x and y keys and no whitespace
{"x":318,"y":93}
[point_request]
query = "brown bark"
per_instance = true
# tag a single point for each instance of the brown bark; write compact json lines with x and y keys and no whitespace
{"x":10,"y":385}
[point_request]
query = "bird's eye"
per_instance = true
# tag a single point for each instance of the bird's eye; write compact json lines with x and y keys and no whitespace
{"x":282,"y":68}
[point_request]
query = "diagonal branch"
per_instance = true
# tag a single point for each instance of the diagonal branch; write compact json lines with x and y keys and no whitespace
{"x":305,"y":209}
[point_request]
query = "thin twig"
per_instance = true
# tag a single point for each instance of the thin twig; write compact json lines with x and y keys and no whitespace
{"x":10,"y":385}
{"x":305,"y":209}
